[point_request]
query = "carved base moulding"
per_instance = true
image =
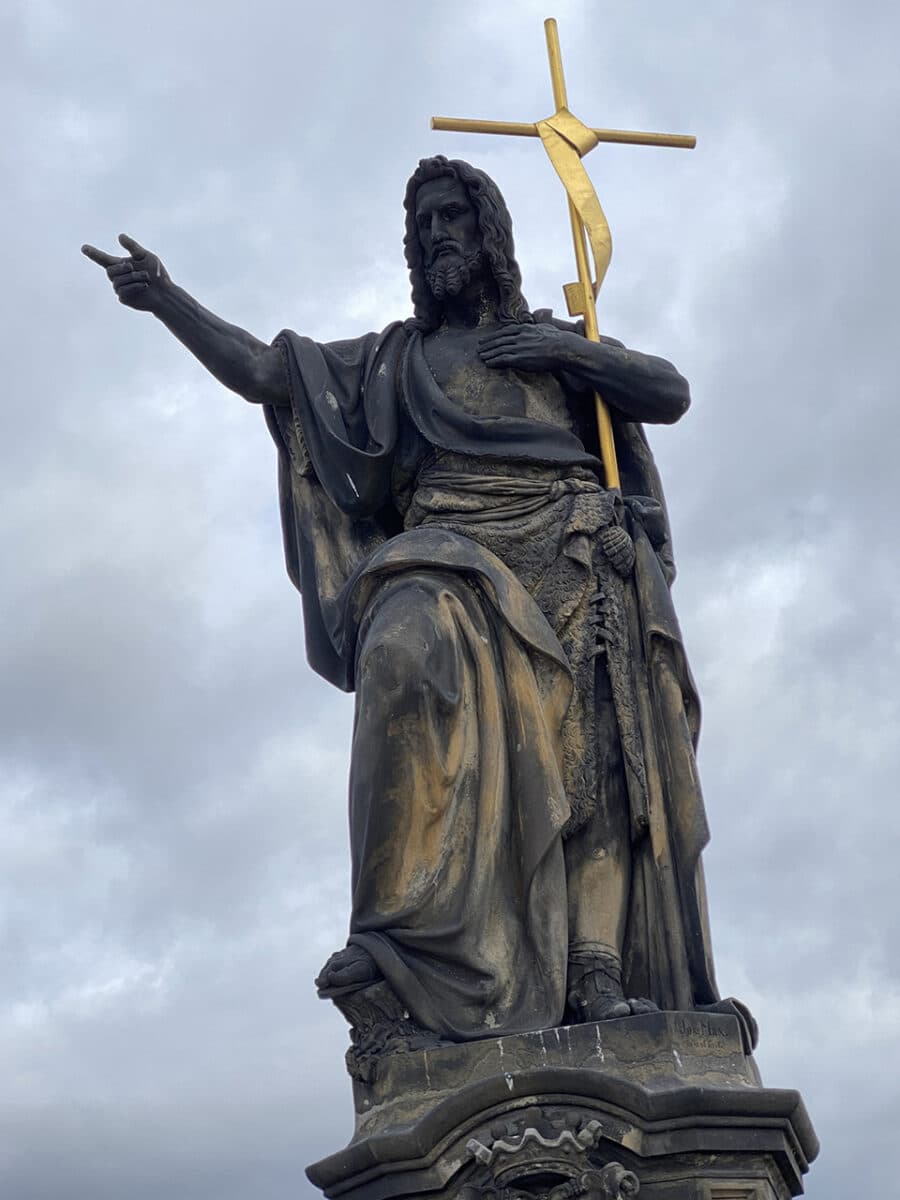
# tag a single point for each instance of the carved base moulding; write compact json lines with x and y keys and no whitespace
{"x":666,"y":1106}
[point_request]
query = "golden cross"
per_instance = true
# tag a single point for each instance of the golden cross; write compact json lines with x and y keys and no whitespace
{"x":567,"y":140}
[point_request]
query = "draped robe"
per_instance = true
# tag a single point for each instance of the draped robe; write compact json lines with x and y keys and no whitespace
{"x":465,"y":769}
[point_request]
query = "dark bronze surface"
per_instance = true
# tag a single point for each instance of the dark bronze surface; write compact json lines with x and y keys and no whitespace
{"x":525,"y":817}
{"x":526,"y":822}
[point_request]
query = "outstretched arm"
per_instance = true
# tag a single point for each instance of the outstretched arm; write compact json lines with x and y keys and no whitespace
{"x":640,"y":386}
{"x":235,"y":357}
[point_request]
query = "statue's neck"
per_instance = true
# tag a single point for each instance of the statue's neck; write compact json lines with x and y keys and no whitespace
{"x":476,"y":305}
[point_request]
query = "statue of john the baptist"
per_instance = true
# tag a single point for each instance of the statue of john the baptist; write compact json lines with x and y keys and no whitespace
{"x":525,"y":816}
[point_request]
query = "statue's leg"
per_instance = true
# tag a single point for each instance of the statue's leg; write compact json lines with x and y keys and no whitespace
{"x":393,"y":703}
{"x":598,"y":875}
{"x":458,"y":892}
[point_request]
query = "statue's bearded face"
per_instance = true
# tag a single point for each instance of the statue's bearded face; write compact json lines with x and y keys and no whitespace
{"x":449,"y":235}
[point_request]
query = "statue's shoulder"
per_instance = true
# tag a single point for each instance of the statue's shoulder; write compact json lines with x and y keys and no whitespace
{"x":350,"y":353}
{"x":354,"y":348}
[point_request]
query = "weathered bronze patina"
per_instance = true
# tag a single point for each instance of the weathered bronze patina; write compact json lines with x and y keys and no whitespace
{"x":483,"y":552}
{"x":490,"y":573}
{"x":526,"y":820}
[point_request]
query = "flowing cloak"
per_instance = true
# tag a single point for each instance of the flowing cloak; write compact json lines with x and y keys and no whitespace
{"x":346,"y":550}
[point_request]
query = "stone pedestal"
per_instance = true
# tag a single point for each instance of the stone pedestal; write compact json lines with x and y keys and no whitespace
{"x":666,"y":1104}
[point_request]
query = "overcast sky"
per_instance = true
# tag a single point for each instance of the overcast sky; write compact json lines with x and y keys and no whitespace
{"x":174,"y":856}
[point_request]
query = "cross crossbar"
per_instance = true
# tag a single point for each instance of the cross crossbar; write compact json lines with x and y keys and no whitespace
{"x":626,"y":137}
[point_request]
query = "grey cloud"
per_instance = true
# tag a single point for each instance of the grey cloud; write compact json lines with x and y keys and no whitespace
{"x":174,"y":858}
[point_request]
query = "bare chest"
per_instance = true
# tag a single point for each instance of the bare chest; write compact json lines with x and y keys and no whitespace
{"x":454,"y":361}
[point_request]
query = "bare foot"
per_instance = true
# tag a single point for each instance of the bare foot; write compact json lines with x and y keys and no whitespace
{"x":640,"y":1004}
{"x":347,"y":970}
{"x":595,"y":990}
{"x":603,"y":1008}
{"x":606,"y":1006}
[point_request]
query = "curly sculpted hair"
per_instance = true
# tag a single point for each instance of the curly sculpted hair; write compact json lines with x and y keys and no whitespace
{"x":495,"y":226}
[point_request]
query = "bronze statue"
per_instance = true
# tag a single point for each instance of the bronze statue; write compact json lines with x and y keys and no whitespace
{"x":526,"y":820}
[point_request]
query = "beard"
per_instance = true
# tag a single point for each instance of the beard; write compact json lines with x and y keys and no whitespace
{"x":452,"y":271}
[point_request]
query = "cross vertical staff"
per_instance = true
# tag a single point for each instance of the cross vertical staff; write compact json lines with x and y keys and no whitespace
{"x":567,"y":140}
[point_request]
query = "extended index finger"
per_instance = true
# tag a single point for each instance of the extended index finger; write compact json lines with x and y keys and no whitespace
{"x":99,"y":256}
{"x":135,"y":249}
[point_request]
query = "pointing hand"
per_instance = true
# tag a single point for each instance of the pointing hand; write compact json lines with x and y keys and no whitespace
{"x":137,"y":278}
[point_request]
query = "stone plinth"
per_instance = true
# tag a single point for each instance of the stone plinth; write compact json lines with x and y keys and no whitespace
{"x":667,"y":1103}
